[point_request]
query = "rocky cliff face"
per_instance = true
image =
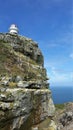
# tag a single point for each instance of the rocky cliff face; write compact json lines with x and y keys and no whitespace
{"x":25,"y":100}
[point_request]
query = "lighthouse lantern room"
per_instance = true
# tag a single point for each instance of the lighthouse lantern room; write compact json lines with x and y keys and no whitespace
{"x":13,"y":29}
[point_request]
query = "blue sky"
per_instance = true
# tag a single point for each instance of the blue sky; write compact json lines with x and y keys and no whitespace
{"x":49,"y":22}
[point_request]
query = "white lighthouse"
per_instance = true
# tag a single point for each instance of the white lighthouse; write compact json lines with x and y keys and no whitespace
{"x":13,"y":29}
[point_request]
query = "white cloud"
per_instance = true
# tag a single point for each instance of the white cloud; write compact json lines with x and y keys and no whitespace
{"x":64,"y":39}
{"x":53,"y":44}
{"x":71,"y":75}
{"x":71,"y":55}
{"x":57,"y":78}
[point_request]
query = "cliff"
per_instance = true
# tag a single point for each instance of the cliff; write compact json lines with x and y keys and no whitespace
{"x":25,"y":100}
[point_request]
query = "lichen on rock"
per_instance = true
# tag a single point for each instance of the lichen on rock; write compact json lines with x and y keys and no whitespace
{"x":25,"y":98}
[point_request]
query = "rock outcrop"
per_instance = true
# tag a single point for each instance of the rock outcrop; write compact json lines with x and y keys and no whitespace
{"x":25,"y":98}
{"x":64,"y":116}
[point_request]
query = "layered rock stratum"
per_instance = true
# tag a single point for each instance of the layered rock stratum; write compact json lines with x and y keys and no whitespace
{"x":25,"y":97}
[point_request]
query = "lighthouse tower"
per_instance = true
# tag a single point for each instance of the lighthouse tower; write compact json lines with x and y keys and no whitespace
{"x":13,"y":29}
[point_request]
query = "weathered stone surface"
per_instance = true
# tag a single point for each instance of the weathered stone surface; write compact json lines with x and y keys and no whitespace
{"x":64,"y":116}
{"x":24,"y":46}
{"x":25,"y":103}
{"x":45,"y":125}
{"x":25,"y":98}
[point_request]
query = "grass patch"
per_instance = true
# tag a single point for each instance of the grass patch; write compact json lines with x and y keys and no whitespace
{"x":59,"y":106}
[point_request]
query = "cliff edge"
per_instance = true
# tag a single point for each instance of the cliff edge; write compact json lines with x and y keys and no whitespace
{"x":25,"y":98}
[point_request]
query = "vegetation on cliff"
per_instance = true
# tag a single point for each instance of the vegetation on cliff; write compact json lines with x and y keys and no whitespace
{"x":25,"y":100}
